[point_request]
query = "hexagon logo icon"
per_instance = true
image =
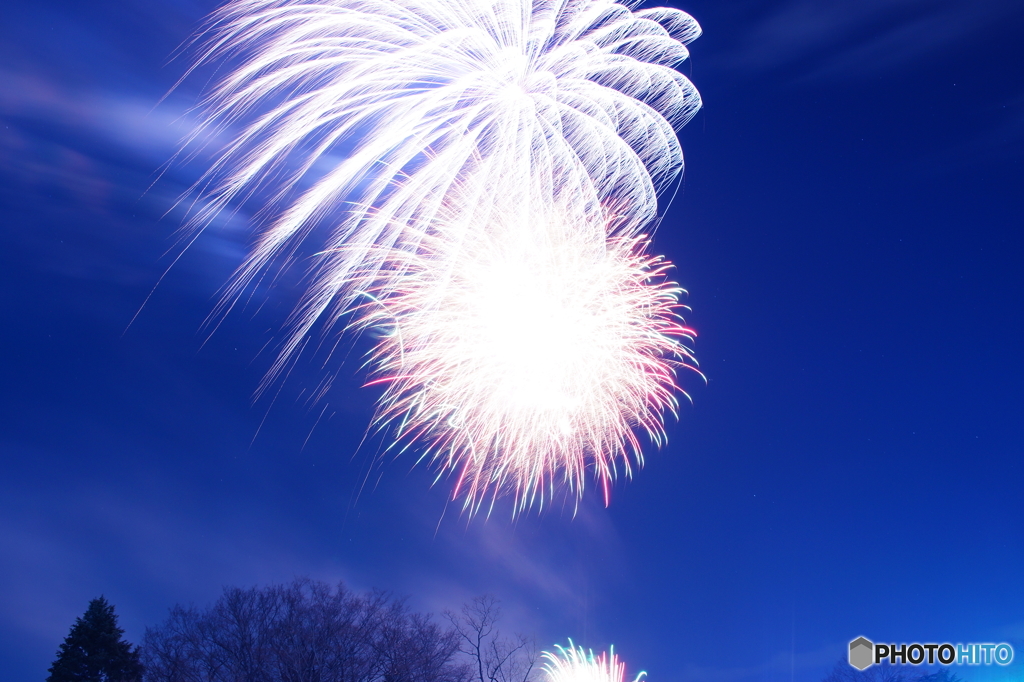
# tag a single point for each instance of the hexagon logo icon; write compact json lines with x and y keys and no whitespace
{"x":862,"y":653}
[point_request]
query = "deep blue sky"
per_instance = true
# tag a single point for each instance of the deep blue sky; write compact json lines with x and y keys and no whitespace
{"x":849,"y":229}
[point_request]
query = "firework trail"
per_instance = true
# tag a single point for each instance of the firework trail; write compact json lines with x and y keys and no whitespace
{"x":575,"y":664}
{"x":476,"y":177}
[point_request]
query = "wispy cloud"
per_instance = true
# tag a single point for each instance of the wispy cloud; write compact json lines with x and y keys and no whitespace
{"x":533,"y":565}
{"x":102,"y":167}
{"x":144,"y":550}
{"x":856,"y":38}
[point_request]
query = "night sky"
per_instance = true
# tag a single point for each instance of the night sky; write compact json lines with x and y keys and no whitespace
{"x":849,"y":230}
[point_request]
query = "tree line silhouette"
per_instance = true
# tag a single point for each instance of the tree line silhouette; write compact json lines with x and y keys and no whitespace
{"x":303,"y":631}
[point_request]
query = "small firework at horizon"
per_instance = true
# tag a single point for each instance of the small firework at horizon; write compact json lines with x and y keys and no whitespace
{"x":576,"y":664}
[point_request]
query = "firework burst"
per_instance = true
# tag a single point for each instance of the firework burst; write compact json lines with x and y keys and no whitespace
{"x":575,"y":664}
{"x":476,"y":178}
{"x":529,"y":355}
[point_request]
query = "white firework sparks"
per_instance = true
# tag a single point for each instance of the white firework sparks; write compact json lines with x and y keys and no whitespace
{"x":577,"y":96}
{"x":575,"y":664}
{"x":528,"y":355}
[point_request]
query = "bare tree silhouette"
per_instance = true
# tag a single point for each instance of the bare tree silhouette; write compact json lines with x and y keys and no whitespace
{"x":492,"y":657}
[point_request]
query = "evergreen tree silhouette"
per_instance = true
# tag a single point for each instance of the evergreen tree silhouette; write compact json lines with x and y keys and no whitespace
{"x":94,"y":652}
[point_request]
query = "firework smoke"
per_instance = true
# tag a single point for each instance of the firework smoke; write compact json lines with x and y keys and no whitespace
{"x":482,"y":172}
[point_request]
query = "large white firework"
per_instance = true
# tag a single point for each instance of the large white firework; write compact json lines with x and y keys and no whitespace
{"x":475,"y":177}
{"x":367,"y":113}
{"x":576,"y":664}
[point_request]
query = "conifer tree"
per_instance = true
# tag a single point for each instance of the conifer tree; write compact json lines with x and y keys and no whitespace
{"x":94,"y":652}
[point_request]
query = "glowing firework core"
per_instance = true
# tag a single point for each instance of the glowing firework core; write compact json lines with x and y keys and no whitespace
{"x":530,"y":356}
